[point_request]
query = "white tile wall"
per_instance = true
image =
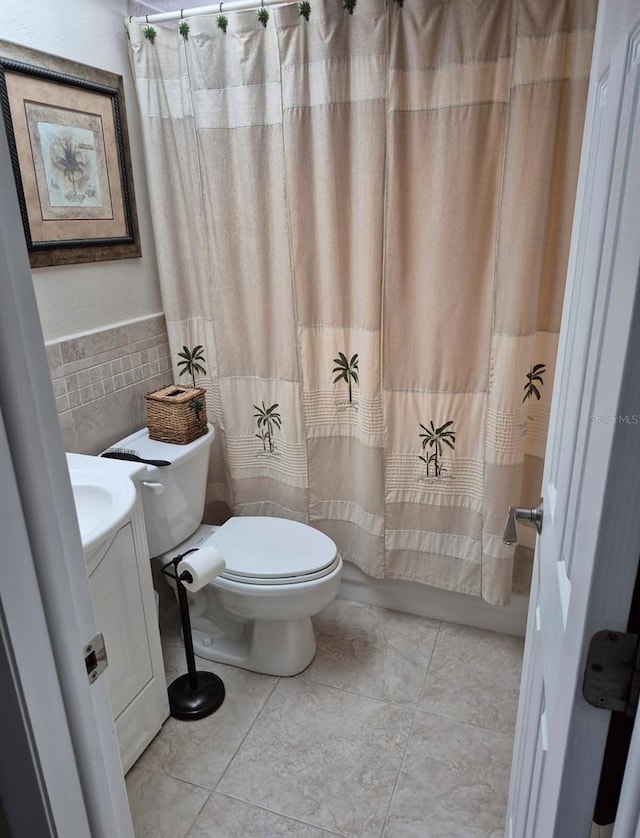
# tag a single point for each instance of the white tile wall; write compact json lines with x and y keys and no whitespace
{"x":100,"y":380}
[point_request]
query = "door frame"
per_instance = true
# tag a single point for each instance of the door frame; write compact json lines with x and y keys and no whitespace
{"x":67,"y":722}
{"x":35,"y":735}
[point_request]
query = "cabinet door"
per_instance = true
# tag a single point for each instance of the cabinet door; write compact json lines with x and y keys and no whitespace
{"x":117,"y":601}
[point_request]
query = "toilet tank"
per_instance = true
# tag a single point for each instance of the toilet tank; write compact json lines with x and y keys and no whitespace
{"x":172,"y":496}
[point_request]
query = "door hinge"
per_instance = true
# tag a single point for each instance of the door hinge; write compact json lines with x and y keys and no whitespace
{"x":95,"y":658}
{"x":612,"y":673}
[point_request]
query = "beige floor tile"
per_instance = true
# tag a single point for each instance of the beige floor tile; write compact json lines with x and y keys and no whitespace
{"x":198,"y":752}
{"x":372,"y":651}
{"x":453,"y":783}
{"x":322,"y":755}
{"x":224,"y":817}
{"x":474,"y":676}
{"x":161,"y":806}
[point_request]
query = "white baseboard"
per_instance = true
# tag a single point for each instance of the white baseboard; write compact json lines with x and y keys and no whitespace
{"x":425,"y":601}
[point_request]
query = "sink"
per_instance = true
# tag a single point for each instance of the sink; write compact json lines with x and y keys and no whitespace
{"x":104,"y":501}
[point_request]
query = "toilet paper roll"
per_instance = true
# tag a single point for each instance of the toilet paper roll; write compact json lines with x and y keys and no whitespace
{"x":201,"y":567}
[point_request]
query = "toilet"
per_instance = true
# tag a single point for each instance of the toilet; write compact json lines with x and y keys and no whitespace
{"x":279,"y":573}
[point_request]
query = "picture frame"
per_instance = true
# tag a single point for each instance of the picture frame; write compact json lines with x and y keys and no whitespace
{"x":67,"y":132}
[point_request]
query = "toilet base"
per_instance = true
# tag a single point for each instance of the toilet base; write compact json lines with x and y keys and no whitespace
{"x":272,"y":647}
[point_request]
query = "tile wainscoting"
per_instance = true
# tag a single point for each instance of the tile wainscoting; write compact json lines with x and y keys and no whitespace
{"x":100,"y":380}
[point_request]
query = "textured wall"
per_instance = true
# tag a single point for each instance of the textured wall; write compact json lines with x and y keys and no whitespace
{"x":80,"y":298}
{"x":100,"y":380}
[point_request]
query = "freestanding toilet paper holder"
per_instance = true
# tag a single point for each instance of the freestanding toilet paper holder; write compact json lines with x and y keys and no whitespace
{"x":197,"y":693}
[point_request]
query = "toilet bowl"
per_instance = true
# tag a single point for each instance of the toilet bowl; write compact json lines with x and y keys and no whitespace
{"x":257,"y":613}
{"x":279,"y":573}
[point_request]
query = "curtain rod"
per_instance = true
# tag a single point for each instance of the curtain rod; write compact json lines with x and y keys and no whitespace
{"x":217,"y":8}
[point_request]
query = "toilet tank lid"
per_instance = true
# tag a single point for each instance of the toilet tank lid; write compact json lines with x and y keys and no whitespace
{"x":266,"y":547}
{"x":153,"y":449}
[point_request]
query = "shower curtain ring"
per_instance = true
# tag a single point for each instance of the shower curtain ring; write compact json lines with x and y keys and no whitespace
{"x":146,"y":17}
{"x":220,"y":9}
{"x":181,"y":15}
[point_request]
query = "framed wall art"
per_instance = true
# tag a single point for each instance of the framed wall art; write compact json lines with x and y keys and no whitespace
{"x":68,"y":139}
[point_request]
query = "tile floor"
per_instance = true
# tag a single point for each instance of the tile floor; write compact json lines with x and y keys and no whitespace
{"x":402,"y":727}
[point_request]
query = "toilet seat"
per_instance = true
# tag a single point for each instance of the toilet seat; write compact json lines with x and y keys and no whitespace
{"x":273,"y":551}
{"x":266,"y":550}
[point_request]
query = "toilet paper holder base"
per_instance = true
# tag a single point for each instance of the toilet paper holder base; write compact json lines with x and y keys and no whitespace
{"x":197,"y":693}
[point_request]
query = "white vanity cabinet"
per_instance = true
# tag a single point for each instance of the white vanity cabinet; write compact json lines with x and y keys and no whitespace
{"x":124,"y":602}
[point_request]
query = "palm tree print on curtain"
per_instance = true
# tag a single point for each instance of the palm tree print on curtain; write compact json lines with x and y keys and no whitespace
{"x":268,"y":420}
{"x":346,"y":370}
{"x":192,"y":362}
{"x":535,"y":374}
{"x":433,"y":439}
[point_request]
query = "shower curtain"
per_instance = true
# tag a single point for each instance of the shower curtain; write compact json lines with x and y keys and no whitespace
{"x":364,"y":219}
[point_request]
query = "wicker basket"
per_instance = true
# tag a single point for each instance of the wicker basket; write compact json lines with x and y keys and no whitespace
{"x":171,"y":416}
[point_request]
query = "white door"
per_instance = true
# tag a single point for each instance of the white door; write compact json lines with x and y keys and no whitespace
{"x":587,"y":554}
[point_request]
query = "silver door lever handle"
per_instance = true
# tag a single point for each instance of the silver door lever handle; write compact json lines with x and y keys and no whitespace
{"x":519,"y":513}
